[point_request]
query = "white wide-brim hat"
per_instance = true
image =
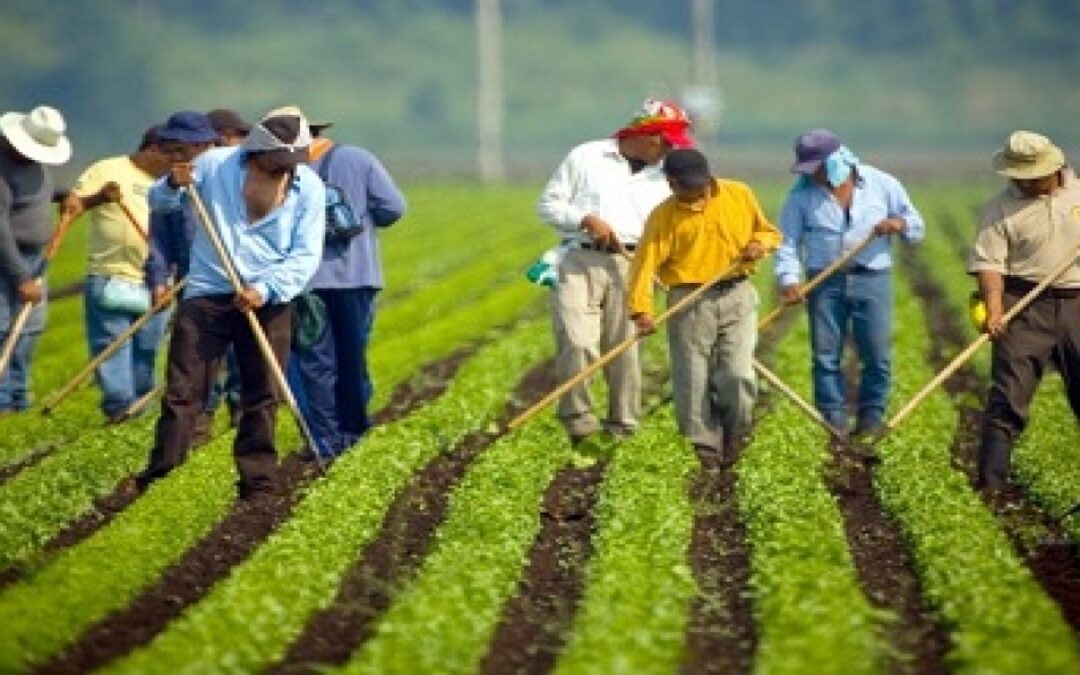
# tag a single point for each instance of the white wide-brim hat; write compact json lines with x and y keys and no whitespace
{"x":38,"y":135}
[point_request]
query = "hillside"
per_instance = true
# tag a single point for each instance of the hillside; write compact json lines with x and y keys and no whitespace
{"x":399,"y":77}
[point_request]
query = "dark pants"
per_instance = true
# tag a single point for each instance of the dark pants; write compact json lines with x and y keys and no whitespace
{"x":331,"y":377}
{"x":205,"y":327}
{"x":1046,"y":333}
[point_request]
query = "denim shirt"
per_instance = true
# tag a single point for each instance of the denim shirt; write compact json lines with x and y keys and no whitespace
{"x":276,"y":255}
{"x":171,"y":233}
{"x":817,"y":230}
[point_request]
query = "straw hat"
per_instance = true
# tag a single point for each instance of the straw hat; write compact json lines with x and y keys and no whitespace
{"x":39,"y":135}
{"x":1028,"y":155}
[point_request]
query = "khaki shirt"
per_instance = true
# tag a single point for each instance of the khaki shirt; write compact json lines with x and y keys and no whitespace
{"x":1029,"y":237}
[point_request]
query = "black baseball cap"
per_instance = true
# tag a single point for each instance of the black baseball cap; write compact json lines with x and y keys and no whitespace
{"x":688,"y":168}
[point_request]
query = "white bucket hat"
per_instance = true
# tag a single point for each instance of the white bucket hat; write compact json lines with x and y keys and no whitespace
{"x":1028,"y":155}
{"x":39,"y":135}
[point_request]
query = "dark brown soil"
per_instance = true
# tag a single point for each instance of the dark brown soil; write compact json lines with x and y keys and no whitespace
{"x":720,"y":633}
{"x":1038,"y":537}
{"x":391,"y":560}
{"x":11,"y":470}
{"x":885,"y":570}
{"x":429,"y":383}
{"x":231,"y":541}
{"x":534,"y":623}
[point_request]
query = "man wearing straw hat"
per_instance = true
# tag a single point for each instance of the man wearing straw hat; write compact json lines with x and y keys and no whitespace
{"x":837,"y":202}
{"x":30,"y":142}
{"x":1024,"y":233}
{"x":597,"y":200}
{"x":114,"y":189}
{"x":268,"y":209}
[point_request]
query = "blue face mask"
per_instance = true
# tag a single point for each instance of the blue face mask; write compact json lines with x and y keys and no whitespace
{"x":838,"y":167}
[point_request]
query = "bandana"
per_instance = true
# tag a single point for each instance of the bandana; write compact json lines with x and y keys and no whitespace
{"x":838,"y":167}
{"x":660,"y":117}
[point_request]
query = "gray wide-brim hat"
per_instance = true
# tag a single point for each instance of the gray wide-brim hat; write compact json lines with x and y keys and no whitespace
{"x":38,"y":135}
{"x":1028,"y":155}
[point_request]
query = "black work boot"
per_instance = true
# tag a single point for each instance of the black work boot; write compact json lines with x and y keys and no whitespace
{"x":995,"y":455}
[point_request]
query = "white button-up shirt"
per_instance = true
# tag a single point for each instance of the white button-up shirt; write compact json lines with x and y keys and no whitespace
{"x":594,"y":178}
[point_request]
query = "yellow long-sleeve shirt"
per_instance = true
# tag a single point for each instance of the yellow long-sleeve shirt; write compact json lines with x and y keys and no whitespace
{"x":691,"y":245}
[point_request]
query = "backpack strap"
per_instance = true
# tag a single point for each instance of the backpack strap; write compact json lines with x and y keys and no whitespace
{"x":324,"y":163}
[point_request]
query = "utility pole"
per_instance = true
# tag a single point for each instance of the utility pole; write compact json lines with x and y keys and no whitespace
{"x":702,"y":96}
{"x":489,"y":93}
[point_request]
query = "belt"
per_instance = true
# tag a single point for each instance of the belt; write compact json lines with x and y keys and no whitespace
{"x":722,"y":285}
{"x":863,"y":269}
{"x":1023,"y":287}
{"x":592,"y":246}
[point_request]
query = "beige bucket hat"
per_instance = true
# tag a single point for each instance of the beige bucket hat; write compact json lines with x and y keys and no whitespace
{"x":38,"y":135}
{"x":1028,"y":155}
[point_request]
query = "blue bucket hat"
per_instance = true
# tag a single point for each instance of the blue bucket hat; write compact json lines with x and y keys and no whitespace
{"x":188,"y":126}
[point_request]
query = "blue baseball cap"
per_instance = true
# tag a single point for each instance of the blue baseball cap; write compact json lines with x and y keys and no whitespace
{"x":812,"y":148}
{"x":188,"y":126}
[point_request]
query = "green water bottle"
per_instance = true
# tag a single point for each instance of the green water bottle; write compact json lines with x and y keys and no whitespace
{"x":545,"y":271}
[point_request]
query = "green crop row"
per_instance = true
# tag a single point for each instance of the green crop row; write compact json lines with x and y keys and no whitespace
{"x":41,"y":500}
{"x":444,"y":620}
{"x":638,"y":585}
{"x":421,"y":256}
{"x":249,"y":619}
{"x":809,"y":608}
{"x":83,"y":584}
{"x":478,"y":557}
{"x":442,"y":225}
{"x":1045,"y":459}
{"x":1000,"y":620}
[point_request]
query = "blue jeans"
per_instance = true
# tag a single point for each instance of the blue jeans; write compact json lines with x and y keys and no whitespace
{"x":15,"y":381}
{"x":330,"y":379}
{"x":859,"y":304}
{"x":129,"y":373}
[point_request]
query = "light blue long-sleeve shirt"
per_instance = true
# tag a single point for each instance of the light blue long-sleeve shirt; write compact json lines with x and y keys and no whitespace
{"x":817,"y":230}
{"x":276,"y":255}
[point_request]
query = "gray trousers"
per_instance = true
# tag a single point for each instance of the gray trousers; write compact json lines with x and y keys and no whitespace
{"x":712,"y":349}
{"x":590,"y":317}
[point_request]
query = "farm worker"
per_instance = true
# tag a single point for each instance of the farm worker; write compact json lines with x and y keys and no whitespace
{"x":836,"y":203}
{"x":704,"y":228}
{"x":597,"y":200}
{"x":329,"y":369}
{"x":29,"y":143}
{"x":231,"y":130}
{"x":230,"y":127}
{"x":115,"y":294}
{"x":1024,"y":233}
{"x":186,"y":135}
{"x":268,"y":208}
